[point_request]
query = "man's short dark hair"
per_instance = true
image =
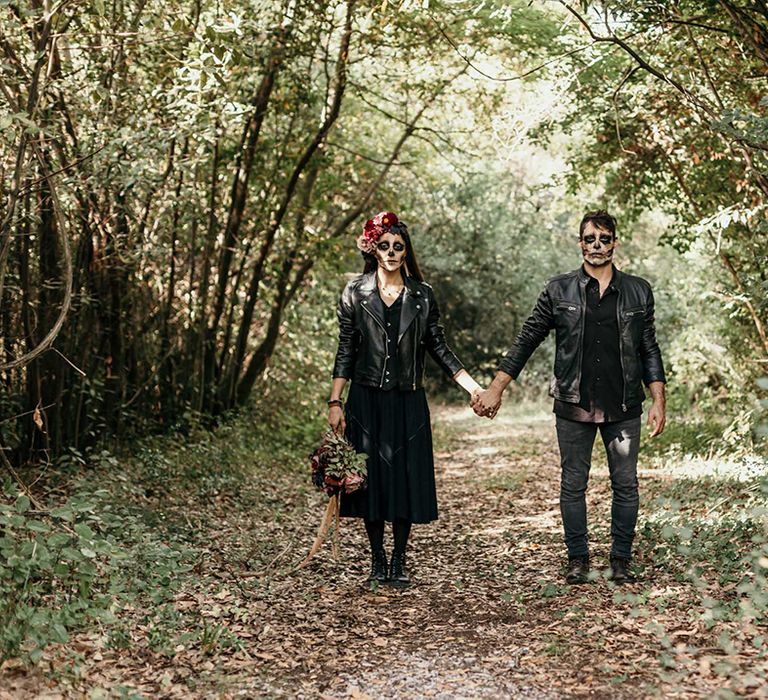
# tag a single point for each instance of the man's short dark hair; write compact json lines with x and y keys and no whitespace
{"x":600,"y":218}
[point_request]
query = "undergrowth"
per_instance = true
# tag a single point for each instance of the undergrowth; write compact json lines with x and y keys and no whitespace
{"x":131,"y":529}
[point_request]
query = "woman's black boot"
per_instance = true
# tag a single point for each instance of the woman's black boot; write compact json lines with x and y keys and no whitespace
{"x":375,"y":530}
{"x":378,"y":567}
{"x":398,"y":574}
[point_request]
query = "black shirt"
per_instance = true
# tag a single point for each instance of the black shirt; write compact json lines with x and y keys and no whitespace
{"x":602,"y":378}
{"x":392,"y":324}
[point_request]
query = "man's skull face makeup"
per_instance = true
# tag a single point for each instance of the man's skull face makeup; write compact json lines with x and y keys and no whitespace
{"x":597,"y":245}
{"x":390,"y":251}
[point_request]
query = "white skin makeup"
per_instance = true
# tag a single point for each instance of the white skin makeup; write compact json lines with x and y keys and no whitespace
{"x":390,"y":252}
{"x":597,"y":245}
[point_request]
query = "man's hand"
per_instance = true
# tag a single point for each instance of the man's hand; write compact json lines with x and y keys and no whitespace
{"x":657,"y":415}
{"x":657,"y":418}
{"x":486,"y":403}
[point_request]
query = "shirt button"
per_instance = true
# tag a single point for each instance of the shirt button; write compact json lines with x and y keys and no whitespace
{"x":387,"y":356}
{"x":417,"y":306}
{"x":388,"y":323}
{"x":387,"y":373}
{"x":598,"y":359}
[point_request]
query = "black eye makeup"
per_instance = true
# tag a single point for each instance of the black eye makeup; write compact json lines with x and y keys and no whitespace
{"x":605,"y":239}
{"x":396,"y":246}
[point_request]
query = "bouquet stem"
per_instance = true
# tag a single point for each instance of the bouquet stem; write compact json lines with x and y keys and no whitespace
{"x":337,"y":513}
{"x":332,"y":513}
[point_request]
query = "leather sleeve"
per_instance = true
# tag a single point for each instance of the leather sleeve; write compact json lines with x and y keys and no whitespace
{"x":345,"y":355}
{"x":435,"y":340}
{"x":535,"y":329}
{"x":650,"y":353}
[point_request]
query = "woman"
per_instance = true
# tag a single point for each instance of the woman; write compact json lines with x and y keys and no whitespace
{"x":388,"y":318}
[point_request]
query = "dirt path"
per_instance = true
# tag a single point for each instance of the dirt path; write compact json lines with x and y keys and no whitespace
{"x":488,"y":614}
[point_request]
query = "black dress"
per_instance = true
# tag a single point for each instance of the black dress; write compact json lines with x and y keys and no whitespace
{"x":393,"y":428}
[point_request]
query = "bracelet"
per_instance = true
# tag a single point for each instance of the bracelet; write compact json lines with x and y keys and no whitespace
{"x":336,"y":402}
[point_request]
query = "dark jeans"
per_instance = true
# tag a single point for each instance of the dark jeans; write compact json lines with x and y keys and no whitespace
{"x":621,"y":440}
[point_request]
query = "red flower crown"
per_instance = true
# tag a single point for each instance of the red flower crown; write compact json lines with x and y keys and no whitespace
{"x":381,"y":223}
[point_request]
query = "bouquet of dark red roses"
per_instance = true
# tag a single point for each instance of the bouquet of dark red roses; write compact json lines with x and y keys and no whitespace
{"x":336,"y":469}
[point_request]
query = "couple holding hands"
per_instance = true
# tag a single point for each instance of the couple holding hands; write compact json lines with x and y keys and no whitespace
{"x":606,"y":350}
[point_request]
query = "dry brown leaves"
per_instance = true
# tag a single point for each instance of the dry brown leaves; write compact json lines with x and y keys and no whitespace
{"x":488,"y":614}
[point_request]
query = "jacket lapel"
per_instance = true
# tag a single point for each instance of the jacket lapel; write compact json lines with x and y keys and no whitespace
{"x":371,"y":299}
{"x":412,"y":303}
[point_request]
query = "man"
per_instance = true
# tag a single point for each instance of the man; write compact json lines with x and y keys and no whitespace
{"x":605,"y":348}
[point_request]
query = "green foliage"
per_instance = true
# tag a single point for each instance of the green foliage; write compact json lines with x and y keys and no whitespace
{"x":41,"y":562}
{"x":710,"y":532}
{"x":74,"y":566}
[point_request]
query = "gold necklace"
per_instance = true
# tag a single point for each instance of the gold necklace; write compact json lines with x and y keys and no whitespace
{"x":391,"y":294}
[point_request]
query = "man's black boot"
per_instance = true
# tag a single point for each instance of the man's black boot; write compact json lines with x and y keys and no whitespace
{"x":620,"y":572}
{"x":398,"y":575}
{"x":378,"y":567}
{"x":578,"y":570}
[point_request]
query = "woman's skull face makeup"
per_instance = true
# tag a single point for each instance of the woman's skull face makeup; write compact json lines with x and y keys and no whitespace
{"x":390,"y":251}
{"x":597,"y":245}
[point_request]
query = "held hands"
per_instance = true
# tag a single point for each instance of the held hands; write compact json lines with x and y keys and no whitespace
{"x":486,"y":403}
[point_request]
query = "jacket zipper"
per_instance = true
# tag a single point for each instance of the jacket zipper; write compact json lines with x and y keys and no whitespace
{"x":583,"y":297}
{"x":415,"y":350}
{"x":386,"y":342}
{"x":621,"y":353}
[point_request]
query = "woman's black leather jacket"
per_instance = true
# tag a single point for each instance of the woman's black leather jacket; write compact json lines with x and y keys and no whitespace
{"x":562,"y":306}
{"x":362,"y":353}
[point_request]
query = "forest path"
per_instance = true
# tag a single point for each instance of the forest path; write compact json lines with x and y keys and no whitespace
{"x":488,"y":614}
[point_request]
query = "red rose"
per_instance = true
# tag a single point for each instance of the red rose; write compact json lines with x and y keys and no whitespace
{"x":385,"y":218}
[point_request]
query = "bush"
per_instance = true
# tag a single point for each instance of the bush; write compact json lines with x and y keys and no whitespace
{"x":80,"y":562}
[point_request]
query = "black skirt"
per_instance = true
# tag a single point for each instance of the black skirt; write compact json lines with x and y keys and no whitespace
{"x":393,"y":429}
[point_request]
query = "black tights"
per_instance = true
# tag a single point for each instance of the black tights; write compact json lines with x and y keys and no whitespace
{"x":401,"y":529}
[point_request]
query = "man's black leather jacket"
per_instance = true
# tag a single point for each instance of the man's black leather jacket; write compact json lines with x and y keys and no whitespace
{"x":362,"y":352}
{"x":562,"y":306}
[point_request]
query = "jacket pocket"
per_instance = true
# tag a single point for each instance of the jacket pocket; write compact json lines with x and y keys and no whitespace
{"x":631,"y":314}
{"x":567,"y":317}
{"x":567,"y":307}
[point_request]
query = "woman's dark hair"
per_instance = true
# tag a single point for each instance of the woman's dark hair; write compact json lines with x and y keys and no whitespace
{"x":600,"y":218}
{"x":398,"y":229}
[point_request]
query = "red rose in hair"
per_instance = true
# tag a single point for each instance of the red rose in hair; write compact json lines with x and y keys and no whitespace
{"x":386,"y":218}
{"x":381,"y":223}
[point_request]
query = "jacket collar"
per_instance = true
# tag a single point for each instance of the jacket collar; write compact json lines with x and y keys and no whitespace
{"x":413,"y":300}
{"x":616,"y":281}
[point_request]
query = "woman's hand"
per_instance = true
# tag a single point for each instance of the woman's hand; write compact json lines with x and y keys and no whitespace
{"x":465,"y":381}
{"x":336,"y":420}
